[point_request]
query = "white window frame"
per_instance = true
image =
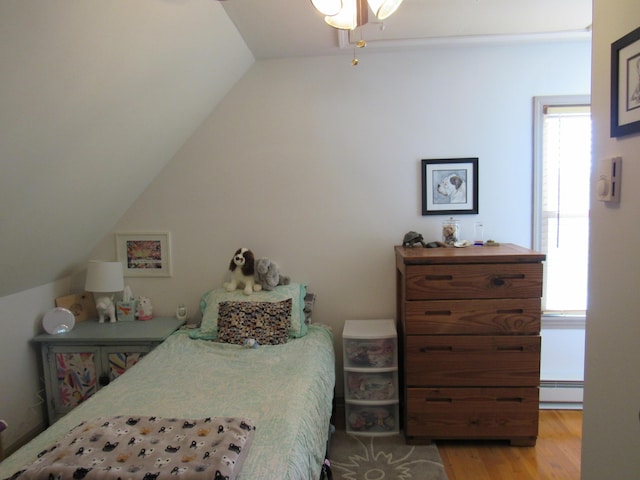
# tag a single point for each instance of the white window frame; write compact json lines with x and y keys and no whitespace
{"x":558,"y":320}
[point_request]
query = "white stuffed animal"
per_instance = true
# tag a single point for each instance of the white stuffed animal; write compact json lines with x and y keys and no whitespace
{"x":242,"y":269}
{"x":145,"y":310}
{"x":106,"y":308}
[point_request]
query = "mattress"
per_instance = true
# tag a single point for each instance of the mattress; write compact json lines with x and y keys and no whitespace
{"x":286,"y":390}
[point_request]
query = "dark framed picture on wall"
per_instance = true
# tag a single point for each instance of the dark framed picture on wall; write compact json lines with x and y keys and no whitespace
{"x":449,"y":186}
{"x":625,"y":85}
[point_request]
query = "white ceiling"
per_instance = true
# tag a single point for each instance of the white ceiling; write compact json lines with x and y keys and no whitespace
{"x":287,"y":28}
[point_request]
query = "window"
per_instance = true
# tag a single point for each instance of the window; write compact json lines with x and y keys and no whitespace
{"x":562,"y":163}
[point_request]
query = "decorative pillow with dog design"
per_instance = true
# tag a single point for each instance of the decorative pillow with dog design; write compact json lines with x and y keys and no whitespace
{"x":265,"y":322}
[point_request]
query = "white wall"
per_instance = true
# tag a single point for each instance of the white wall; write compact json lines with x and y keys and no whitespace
{"x":562,"y":362}
{"x":562,"y":356}
{"x":315,"y":164}
{"x":95,"y":99}
{"x":20,"y":376}
{"x":611,"y":432}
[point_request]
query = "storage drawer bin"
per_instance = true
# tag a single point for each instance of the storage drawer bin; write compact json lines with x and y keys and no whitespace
{"x":371,"y":386}
{"x":374,"y":419}
{"x":370,"y":350}
{"x":376,"y":353}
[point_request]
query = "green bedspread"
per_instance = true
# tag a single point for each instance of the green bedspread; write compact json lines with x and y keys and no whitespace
{"x":286,"y":390}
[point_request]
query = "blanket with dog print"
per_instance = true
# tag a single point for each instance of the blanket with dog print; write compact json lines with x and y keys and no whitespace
{"x":146,"y":448}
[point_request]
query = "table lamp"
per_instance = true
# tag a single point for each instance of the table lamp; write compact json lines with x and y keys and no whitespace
{"x":105,"y":278}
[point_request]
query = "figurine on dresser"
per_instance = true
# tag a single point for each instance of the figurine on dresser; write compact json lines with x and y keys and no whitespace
{"x":106,"y":309}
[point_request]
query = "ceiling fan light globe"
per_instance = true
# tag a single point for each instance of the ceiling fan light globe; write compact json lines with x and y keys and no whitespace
{"x":340,"y":22}
{"x":354,"y":14}
{"x":346,"y":18}
{"x":327,"y":7}
{"x":383,"y":9}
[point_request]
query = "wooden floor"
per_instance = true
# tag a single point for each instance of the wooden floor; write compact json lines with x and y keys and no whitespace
{"x":555,"y":456}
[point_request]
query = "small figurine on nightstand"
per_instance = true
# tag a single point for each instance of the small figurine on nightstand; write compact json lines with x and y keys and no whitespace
{"x":106,"y":308}
{"x":145,"y":310}
{"x":182,"y":312}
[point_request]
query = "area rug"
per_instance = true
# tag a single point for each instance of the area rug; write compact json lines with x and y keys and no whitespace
{"x":356,"y":457}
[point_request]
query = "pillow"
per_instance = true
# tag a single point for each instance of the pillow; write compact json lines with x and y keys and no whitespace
{"x":294,"y":291}
{"x":309,"y":301}
{"x":266,"y":322}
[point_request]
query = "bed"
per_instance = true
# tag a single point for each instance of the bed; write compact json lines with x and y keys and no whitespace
{"x":282,"y":392}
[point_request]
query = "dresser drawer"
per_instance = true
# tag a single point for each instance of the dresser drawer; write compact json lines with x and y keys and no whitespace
{"x":477,"y":361}
{"x":473,"y":413}
{"x":434,"y":282}
{"x":473,"y":317}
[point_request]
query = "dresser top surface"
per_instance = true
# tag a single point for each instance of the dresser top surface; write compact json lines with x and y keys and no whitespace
{"x":505,"y":252}
{"x":154,"y":330}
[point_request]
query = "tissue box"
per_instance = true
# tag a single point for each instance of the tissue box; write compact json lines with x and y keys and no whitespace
{"x":126,"y":311}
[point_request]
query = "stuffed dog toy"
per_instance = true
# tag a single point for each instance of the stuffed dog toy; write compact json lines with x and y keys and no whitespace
{"x":242,"y":268}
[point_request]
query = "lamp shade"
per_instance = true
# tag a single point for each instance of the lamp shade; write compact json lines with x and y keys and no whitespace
{"x":104,"y":277}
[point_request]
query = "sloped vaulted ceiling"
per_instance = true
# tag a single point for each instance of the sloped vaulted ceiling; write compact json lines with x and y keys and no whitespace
{"x":95,"y":99}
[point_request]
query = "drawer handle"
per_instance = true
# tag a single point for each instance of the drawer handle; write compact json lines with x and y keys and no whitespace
{"x":500,"y":279}
{"x":443,"y":348}
{"x":104,"y":380}
{"x":504,"y":348}
{"x":438,"y":312}
{"x":510,"y":399}
{"x":439,"y":400}
{"x":513,"y":310}
{"x":438,"y":277}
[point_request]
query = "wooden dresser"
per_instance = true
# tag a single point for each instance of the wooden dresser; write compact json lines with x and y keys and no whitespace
{"x":469,"y":342}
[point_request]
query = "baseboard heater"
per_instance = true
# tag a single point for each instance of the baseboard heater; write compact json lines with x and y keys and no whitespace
{"x":561,"y":391}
